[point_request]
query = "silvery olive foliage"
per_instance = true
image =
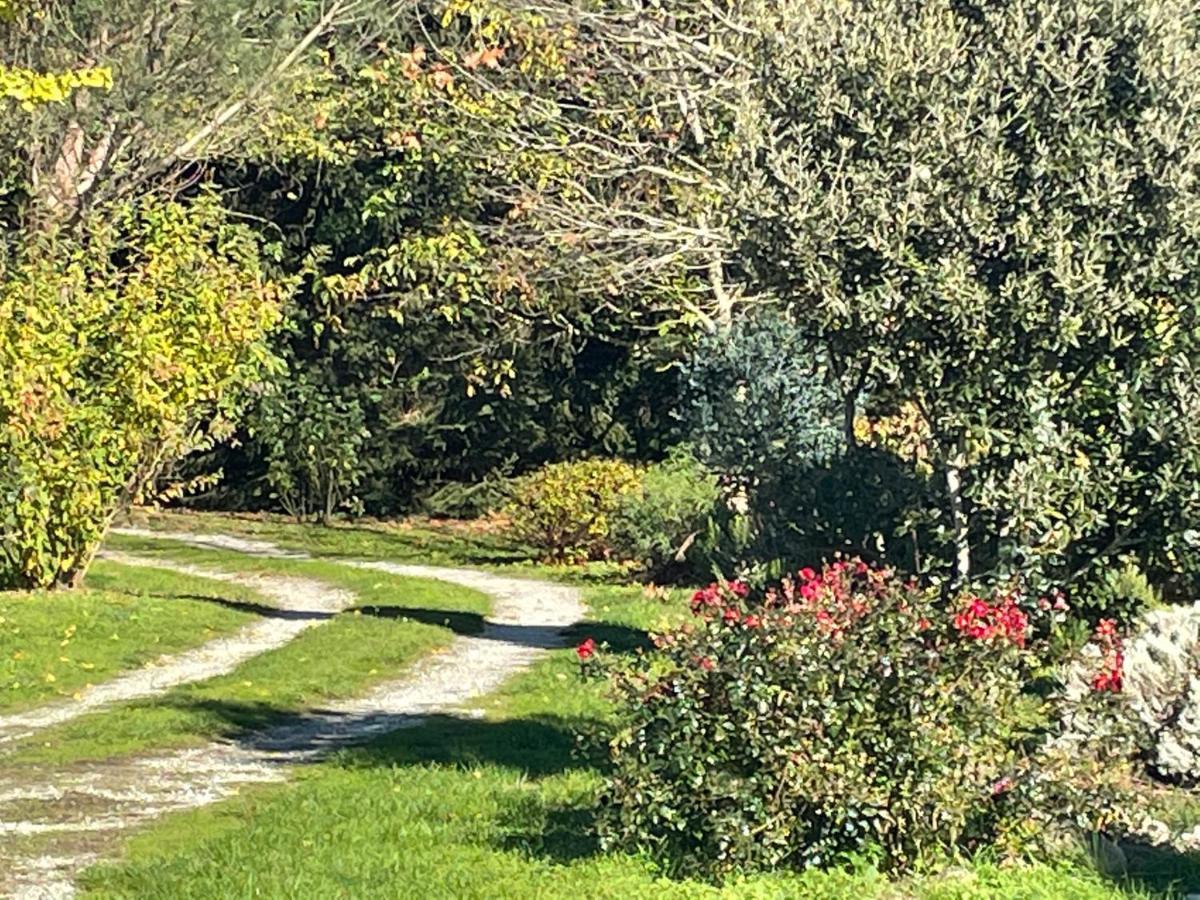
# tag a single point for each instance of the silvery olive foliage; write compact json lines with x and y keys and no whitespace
{"x":991,"y":210}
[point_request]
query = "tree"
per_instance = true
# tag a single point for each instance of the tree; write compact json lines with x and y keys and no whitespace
{"x":182,"y":81}
{"x":120,"y":353}
{"x":990,"y":210}
{"x":985,"y":212}
{"x":428,"y":302}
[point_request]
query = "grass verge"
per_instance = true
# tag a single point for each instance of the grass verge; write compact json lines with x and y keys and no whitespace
{"x":54,"y":644}
{"x":502,"y":807}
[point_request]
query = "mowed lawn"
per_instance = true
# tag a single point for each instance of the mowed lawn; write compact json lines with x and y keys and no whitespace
{"x":503,"y":806}
{"x":54,"y":643}
{"x":493,"y":802}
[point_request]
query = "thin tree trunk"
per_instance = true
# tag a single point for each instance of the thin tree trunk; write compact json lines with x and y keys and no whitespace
{"x":959,"y":521}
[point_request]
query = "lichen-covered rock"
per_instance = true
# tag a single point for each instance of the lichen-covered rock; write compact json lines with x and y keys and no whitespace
{"x":1162,"y":683}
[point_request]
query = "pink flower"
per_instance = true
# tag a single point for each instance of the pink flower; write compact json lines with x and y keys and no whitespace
{"x":586,"y":650}
{"x":807,"y":574}
{"x":751,"y":621}
{"x":1106,"y":628}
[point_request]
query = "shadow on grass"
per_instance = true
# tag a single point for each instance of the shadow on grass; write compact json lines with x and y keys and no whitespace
{"x":246,"y":606}
{"x":464,"y":623}
{"x":1159,"y":871}
{"x":558,"y":834}
{"x":618,"y":638}
{"x":535,"y":747}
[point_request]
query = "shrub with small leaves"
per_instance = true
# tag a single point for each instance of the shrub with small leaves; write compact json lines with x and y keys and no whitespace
{"x":664,"y":523}
{"x":566,"y":509}
{"x":841,"y":711}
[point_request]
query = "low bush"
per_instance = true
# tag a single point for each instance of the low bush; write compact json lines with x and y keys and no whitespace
{"x":566,"y":509}
{"x":844,"y":711}
{"x":313,"y":440}
{"x":662,"y":525}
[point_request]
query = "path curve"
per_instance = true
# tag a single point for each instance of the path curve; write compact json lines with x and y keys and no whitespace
{"x":82,"y":810}
{"x":302,"y":603}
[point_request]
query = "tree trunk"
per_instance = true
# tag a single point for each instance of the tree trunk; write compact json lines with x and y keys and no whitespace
{"x":959,"y":522}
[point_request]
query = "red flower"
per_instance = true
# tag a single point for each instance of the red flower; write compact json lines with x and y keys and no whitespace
{"x":981,"y":621}
{"x":732,"y":615}
{"x":1002,"y":786}
{"x":705,"y":597}
{"x":807,"y":574}
{"x":586,"y":650}
{"x":751,"y":621}
{"x":1111,"y":675}
{"x":739,"y":588}
{"x":705,"y":663}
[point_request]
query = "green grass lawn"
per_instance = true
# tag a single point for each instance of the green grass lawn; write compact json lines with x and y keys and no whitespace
{"x":54,"y":643}
{"x":417,"y":541}
{"x":395,"y":621}
{"x":501,"y":807}
{"x":459,"y":807}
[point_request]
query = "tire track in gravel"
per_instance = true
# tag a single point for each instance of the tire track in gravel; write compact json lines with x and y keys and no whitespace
{"x":299,"y":604}
{"x":75,"y":815}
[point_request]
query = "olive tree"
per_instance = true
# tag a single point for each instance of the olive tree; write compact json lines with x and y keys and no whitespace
{"x":991,"y":210}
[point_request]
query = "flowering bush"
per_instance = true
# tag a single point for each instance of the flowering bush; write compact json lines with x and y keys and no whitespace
{"x":840,"y":711}
{"x":1112,"y":669}
{"x":566,"y":509}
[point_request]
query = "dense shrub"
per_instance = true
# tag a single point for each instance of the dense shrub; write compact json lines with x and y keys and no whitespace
{"x":119,"y":354}
{"x":312,"y":438}
{"x":566,"y":509}
{"x":663,"y":524}
{"x":844,"y":711}
{"x":757,"y":403}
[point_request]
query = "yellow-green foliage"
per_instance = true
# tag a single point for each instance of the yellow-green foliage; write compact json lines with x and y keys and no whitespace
{"x":120,"y":353}
{"x":30,"y":88}
{"x":566,"y":509}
